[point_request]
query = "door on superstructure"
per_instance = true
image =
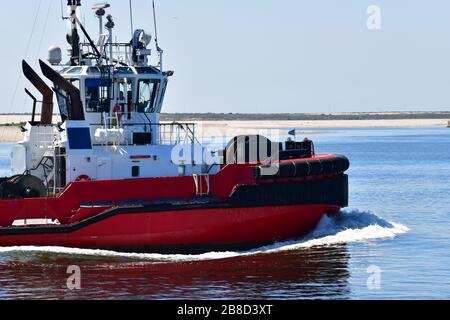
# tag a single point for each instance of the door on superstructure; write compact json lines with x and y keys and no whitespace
{"x":104,"y":169}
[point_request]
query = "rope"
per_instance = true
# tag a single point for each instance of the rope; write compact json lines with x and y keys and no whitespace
{"x":19,"y":78}
{"x":156,"y":26}
{"x":44,"y":31}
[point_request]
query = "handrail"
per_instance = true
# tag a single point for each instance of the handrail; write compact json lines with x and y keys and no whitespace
{"x":120,"y":50}
{"x":168,"y":133}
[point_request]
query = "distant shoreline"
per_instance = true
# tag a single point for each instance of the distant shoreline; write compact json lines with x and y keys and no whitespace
{"x":209,"y":125}
{"x":306,"y":116}
{"x":282,"y":116}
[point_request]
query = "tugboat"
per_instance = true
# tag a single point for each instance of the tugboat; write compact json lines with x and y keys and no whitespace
{"x":108,"y":174}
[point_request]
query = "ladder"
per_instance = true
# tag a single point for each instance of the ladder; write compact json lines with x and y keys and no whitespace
{"x":202,"y":185}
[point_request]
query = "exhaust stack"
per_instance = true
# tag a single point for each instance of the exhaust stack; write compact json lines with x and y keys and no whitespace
{"x":47,"y":94}
{"x":74,"y":105}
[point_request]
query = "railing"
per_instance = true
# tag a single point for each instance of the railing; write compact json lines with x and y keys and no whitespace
{"x":162,"y":133}
{"x":122,"y":52}
{"x":177,"y":133}
{"x":43,"y":137}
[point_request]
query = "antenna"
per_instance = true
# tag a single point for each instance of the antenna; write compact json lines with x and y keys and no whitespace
{"x":156,"y":26}
{"x":62,"y":12}
{"x":160,"y":51}
{"x":131,"y":18}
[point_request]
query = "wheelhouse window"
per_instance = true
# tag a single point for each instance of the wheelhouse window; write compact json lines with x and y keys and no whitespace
{"x":123,"y":70}
{"x":98,"y":95}
{"x":147,"y":70}
{"x":64,"y":100}
{"x":163,"y":94}
{"x":147,"y":94}
{"x":75,"y":83}
{"x":94,"y":70}
{"x":74,"y":70}
{"x":125,"y":96}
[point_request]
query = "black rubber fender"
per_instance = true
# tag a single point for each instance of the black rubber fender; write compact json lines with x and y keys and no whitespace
{"x":287,"y":170}
{"x":315,"y":167}
{"x":329,"y":191}
{"x":327,"y":166}
{"x":303,"y":169}
{"x":307,"y":168}
{"x":342,"y":164}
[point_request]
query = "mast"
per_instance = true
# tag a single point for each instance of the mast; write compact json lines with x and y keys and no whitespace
{"x":73,"y":38}
{"x":131,"y":18}
{"x":110,"y":26}
{"x":100,"y":12}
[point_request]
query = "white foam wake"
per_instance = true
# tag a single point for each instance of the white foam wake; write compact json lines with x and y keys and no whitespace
{"x":347,"y":227}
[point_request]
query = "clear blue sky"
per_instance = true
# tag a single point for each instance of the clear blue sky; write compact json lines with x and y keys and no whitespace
{"x":266,"y":55}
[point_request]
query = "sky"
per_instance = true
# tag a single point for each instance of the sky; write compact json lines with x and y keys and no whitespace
{"x":262,"y":56}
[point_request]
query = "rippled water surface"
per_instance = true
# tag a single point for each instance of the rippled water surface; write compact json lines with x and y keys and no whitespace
{"x":398,"y":224}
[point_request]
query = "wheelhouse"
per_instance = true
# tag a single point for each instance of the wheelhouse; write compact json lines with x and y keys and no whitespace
{"x":134,"y":94}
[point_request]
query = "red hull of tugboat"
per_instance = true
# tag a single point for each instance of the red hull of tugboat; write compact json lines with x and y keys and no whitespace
{"x":196,"y":230}
{"x":241,"y":210}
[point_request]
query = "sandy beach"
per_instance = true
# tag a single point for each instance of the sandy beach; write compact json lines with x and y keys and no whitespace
{"x":233,"y":128}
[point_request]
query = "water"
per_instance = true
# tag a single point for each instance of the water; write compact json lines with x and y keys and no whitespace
{"x":397,"y":224}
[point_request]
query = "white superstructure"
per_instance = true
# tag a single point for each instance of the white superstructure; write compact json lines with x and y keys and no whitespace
{"x":110,"y":99}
